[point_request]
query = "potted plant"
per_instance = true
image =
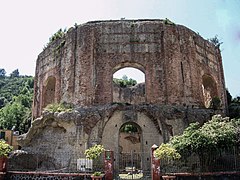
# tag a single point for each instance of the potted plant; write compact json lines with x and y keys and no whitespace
{"x":168,"y":153}
{"x":5,"y":149}
{"x":94,"y":153}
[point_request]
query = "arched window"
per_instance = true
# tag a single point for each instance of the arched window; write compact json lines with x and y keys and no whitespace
{"x":49,"y":91}
{"x":129,"y":84}
{"x":209,"y":89}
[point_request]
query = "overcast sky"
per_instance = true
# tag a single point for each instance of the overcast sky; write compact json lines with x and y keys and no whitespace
{"x":26,"y":26}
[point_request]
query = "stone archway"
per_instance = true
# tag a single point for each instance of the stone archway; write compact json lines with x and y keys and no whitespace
{"x":148,"y":136}
{"x":129,"y":93}
{"x":130,"y":147}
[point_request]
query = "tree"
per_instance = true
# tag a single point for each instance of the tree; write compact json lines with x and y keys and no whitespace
{"x":2,"y":73}
{"x":234,"y":108}
{"x":2,"y":102}
{"x":215,"y":135}
{"x":16,"y":96}
{"x":13,"y":115}
{"x":215,"y":103}
{"x":125,"y":82}
{"x":15,"y":73}
{"x":229,"y":97}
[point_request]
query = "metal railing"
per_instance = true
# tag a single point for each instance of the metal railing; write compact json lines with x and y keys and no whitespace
{"x":225,"y":160}
{"x":60,"y":163}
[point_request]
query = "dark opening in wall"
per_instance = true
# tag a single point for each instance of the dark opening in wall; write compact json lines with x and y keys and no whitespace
{"x":209,"y":89}
{"x":49,"y":91}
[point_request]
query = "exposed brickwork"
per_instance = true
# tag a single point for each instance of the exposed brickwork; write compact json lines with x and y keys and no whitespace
{"x":183,"y":72}
{"x":173,"y":58}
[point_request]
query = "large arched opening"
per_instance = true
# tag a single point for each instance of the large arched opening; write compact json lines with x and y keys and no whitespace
{"x":129,"y":84}
{"x":130,"y":134}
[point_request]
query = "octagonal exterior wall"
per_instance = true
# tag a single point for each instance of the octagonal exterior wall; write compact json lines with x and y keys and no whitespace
{"x":173,"y":58}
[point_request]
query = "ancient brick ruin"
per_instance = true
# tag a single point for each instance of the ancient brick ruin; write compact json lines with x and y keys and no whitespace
{"x":183,"y":73}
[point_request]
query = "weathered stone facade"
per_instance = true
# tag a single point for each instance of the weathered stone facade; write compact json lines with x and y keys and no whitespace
{"x":78,"y":68}
{"x":183,"y":72}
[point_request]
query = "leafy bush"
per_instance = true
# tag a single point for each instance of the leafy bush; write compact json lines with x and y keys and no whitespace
{"x":167,"y":152}
{"x":208,"y":140}
{"x":5,"y":148}
{"x":58,"y":35}
{"x":215,"y":103}
{"x":125,"y":82}
{"x":213,"y":135}
{"x":168,"y":22}
{"x":94,"y":152}
{"x":58,"y":107}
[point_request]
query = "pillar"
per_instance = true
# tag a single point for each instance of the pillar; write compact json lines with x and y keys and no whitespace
{"x":108,"y":164}
{"x":155,"y":164}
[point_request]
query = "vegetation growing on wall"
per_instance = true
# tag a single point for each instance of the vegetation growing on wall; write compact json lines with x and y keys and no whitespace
{"x":58,"y":107}
{"x":215,"y":41}
{"x":168,"y":22}
{"x":58,"y":35}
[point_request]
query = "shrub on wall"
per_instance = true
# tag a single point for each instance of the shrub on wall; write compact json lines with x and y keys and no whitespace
{"x":58,"y":107}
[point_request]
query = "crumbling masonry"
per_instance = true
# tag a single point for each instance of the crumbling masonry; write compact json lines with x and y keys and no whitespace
{"x":183,"y":73}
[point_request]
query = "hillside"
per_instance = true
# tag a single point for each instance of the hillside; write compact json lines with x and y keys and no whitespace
{"x":16,"y":93}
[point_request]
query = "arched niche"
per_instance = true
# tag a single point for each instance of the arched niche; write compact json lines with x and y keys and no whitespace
{"x":209,"y":89}
{"x":49,"y":91}
{"x":130,"y":138}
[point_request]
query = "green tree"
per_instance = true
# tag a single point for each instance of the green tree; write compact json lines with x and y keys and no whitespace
{"x":11,"y":115}
{"x":215,"y":103}
{"x":234,"y":108}
{"x":2,"y":73}
{"x":229,"y":97}
{"x":2,"y":102}
{"x":16,"y":102}
{"x":15,"y":73}
{"x":125,"y":82}
{"x":209,"y":139}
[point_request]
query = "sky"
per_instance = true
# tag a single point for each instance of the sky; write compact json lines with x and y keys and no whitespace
{"x":26,"y":26}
